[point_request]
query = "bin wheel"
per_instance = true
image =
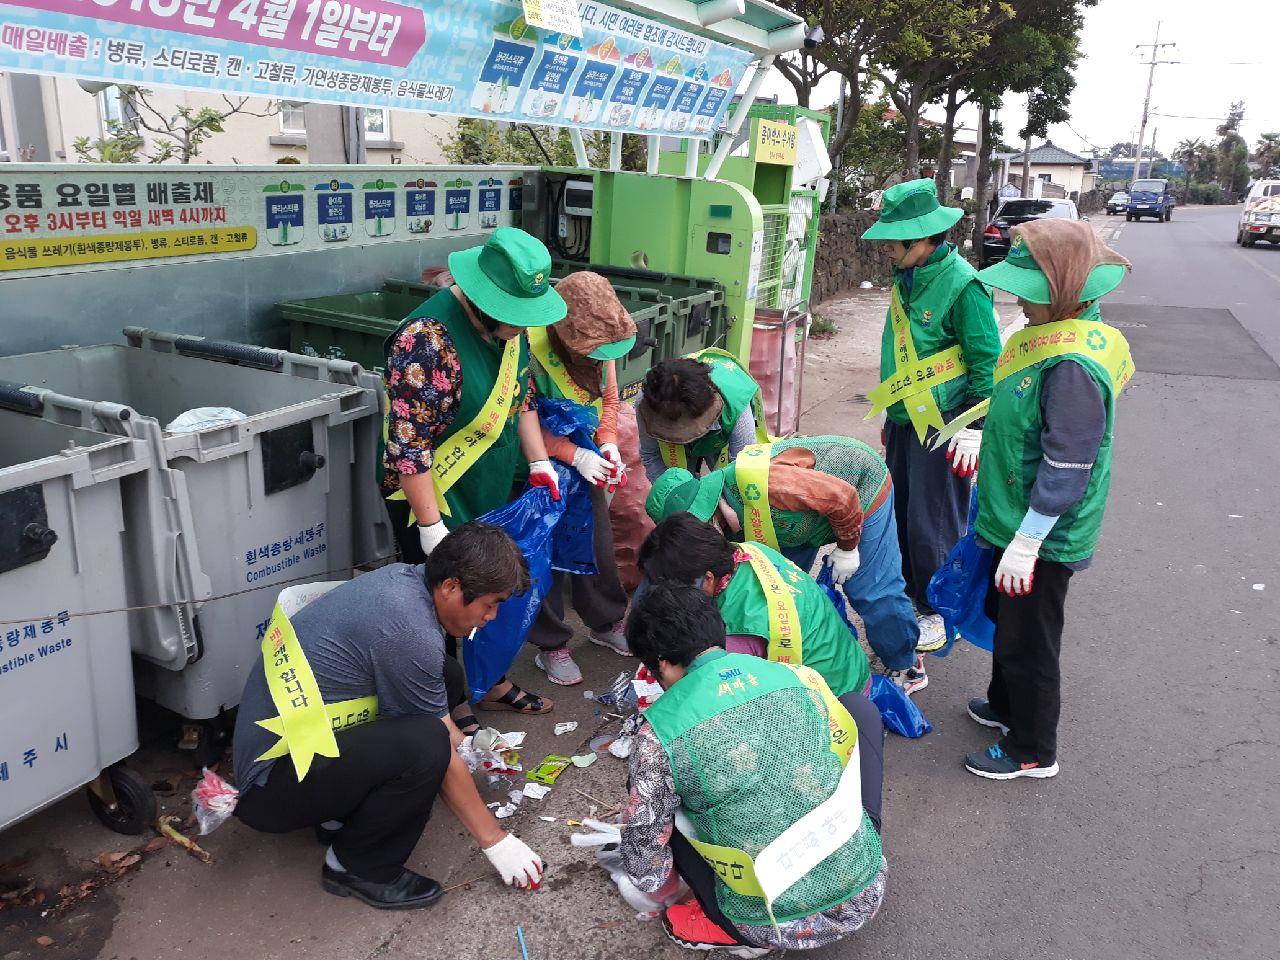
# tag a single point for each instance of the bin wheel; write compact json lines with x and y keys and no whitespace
{"x":134,"y":806}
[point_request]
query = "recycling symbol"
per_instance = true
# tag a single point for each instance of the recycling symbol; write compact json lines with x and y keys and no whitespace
{"x":752,"y":492}
{"x":1095,"y":340}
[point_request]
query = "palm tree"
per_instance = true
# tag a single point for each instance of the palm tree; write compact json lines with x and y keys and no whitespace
{"x":1267,"y":155}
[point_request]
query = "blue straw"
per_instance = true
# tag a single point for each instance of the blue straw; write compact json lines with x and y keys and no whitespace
{"x":524,"y":952}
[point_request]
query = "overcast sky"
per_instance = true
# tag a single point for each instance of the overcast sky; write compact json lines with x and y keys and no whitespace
{"x":1227,"y":52}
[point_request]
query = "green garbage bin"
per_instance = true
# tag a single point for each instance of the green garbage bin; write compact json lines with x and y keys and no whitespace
{"x":352,"y":326}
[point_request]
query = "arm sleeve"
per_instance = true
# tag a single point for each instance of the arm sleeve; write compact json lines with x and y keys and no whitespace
{"x":408,"y":673}
{"x":744,"y":432}
{"x":979,"y":338}
{"x":608,"y":431}
{"x":424,"y":388}
{"x":797,"y":488}
{"x":559,"y":448}
{"x":650,"y":454}
{"x":1075,"y":420}
{"x":649,"y":817}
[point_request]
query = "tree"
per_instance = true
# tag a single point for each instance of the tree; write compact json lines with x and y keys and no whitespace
{"x":1232,"y":152}
{"x":874,"y":152}
{"x":178,"y":136}
{"x":1266,"y":154}
{"x":1199,"y":163}
{"x":483,"y":142}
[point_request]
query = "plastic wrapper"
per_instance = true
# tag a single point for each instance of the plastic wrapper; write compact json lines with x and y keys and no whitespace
{"x":958,"y":590}
{"x":531,"y":520}
{"x":626,"y":511}
{"x":212,"y":801}
{"x":198,"y":418}
{"x":896,"y":709}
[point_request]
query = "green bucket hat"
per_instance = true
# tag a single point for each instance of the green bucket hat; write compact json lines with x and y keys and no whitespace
{"x":612,"y":351}
{"x":678,"y":490}
{"x":509,"y":278}
{"x":1019,"y":274}
{"x":910,"y":211}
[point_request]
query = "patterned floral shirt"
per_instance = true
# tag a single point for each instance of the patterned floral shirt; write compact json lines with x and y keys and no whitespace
{"x":424,"y":391}
{"x":647,"y":823}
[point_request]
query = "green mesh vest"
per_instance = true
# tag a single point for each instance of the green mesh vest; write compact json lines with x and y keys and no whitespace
{"x":828,"y":647}
{"x":750,"y":753}
{"x":851,"y":460}
{"x":1011,"y":457}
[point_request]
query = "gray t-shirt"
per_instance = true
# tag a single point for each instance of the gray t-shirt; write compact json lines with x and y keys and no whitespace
{"x":375,"y":636}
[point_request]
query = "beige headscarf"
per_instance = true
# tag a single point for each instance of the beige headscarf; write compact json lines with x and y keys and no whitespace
{"x":1066,"y":251}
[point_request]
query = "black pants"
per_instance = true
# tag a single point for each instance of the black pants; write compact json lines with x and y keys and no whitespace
{"x":1026,"y":681}
{"x":382,"y":787}
{"x":699,"y":875}
{"x":931,"y":504}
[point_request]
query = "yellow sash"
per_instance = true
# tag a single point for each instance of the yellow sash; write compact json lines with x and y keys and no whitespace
{"x":786,"y":633}
{"x":751,"y":470}
{"x":1103,"y":344}
{"x":540,"y":346}
{"x":306,"y":724}
{"x":913,"y":379}
{"x":813,"y":838}
{"x":462,"y":450}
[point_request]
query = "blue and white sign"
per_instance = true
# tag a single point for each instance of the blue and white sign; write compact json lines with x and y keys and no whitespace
{"x":284,"y":220}
{"x":476,"y":58}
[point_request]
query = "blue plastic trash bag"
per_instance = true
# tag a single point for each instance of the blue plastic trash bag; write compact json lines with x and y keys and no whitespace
{"x":827,"y":582}
{"x":533,"y":521}
{"x":564,"y":418}
{"x":896,"y":709}
{"x":573,"y":542}
{"x":958,"y":590}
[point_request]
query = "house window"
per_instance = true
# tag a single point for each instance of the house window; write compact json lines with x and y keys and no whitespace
{"x":116,"y":108}
{"x":1046,"y":177}
{"x":377,"y":123}
{"x":293,"y":118}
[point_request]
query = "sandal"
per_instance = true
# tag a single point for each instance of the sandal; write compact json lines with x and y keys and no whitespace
{"x":467,"y":723}
{"x":517,"y":700}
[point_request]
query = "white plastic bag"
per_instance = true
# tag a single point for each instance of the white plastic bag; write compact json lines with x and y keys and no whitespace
{"x":198,"y":418}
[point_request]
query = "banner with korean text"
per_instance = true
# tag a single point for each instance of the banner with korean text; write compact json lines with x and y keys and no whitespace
{"x":476,"y":58}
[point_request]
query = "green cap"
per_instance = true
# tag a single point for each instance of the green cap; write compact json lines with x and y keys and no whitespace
{"x":509,"y":278}
{"x":678,"y":490}
{"x":612,"y":351}
{"x":1019,"y":274}
{"x":910,"y":211}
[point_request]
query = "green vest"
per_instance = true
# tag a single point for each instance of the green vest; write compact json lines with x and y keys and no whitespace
{"x":487,"y":485}
{"x":750,"y":753}
{"x":828,"y":647}
{"x":738,"y":390}
{"x":1011,"y":456}
{"x":935,"y":287}
{"x":851,"y":460}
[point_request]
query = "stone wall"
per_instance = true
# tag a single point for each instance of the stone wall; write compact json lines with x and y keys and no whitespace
{"x":843,"y":260}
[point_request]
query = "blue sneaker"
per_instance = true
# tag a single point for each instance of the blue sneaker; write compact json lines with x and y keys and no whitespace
{"x":980,"y":710}
{"x":994,"y":764}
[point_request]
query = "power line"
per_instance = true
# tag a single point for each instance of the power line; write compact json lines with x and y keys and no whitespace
{"x":1156,"y":46}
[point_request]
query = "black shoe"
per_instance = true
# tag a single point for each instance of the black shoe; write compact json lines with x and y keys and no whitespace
{"x":980,"y":710}
{"x":409,"y":891}
{"x":325,"y":836}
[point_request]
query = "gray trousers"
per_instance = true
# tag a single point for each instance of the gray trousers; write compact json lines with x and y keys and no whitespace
{"x":598,"y":599}
{"x":932,"y":504}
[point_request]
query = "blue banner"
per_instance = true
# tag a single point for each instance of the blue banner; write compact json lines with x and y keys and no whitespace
{"x":475,"y":58}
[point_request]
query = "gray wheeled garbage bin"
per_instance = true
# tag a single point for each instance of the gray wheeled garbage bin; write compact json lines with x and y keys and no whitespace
{"x":229,"y":513}
{"x":67,"y":710}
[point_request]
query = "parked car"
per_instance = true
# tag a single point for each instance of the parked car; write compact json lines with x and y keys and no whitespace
{"x":1260,"y":218}
{"x":1118,"y":203}
{"x":1150,"y":198}
{"x":995,"y":239}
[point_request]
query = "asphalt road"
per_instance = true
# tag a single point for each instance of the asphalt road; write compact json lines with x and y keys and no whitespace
{"x":1159,"y":839}
{"x":1161,"y":836}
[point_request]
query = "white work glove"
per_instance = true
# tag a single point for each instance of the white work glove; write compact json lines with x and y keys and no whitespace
{"x":595,"y":469}
{"x":430,"y":535}
{"x":844,"y":564}
{"x":543,"y":474}
{"x":515,"y":862}
{"x":962,"y":451}
{"x":612,"y":454}
{"x":1016,"y":572}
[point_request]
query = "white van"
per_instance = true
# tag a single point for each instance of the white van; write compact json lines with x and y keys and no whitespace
{"x":1260,"y":219}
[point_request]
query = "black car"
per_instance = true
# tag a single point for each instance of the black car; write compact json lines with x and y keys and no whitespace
{"x":995,"y":239}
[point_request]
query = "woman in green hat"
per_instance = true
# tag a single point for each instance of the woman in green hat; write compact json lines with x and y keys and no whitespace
{"x":939,"y":347}
{"x":575,"y":360}
{"x":1046,"y":470}
{"x":459,"y":426}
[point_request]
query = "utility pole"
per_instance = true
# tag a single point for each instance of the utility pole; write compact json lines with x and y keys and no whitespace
{"x":836,"y":175}
{"x":1155,"y":61}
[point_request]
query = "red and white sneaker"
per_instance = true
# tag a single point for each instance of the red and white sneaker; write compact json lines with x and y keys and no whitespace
{"x":913,"y":679}
{"x":689,"y":926}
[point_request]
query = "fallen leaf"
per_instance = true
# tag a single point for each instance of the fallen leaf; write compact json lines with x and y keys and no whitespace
{"x":45,"y":941}
{"x":155,"y":843}
{"x":111,"y":858}
{"x":126,"y":862}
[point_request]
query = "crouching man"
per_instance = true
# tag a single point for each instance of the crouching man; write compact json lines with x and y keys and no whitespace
{"x":375,"y":647}
{"x":754,"y":785}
